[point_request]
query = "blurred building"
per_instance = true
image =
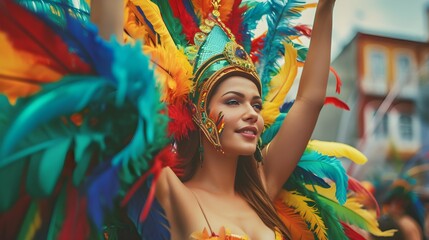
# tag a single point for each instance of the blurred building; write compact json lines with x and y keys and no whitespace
{"x":386,"y":85}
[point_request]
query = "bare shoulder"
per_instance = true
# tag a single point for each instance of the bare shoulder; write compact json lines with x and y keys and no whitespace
{"x":168,"y":183}
{"x":179,"y":204}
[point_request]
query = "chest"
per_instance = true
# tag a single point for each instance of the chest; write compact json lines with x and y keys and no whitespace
{"x":215,"y":214}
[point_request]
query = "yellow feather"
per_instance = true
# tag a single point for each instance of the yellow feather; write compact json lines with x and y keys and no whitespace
{"x":309,"y":214}
{"x":135,"y":26}
{"x":301,"y":8}
{"x":280,"y":85}
{"x":368,"y":218}
{"x":338,"y":150}
{"x":174,"y":72}
{"x":152,"y":13}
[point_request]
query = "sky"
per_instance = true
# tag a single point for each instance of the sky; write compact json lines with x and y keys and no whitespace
{"x":405,"y":19}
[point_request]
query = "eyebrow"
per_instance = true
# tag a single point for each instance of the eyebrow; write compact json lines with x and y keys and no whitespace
{"x":240,"y":95}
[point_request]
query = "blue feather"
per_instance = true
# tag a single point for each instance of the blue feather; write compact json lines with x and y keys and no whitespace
{"x":85,"y":42}
{"x":286,"y":106}
{"x":102,"y":187}
{"x":190,"y":9}
{"x":156,"y":225}
{"x":326,"y":167}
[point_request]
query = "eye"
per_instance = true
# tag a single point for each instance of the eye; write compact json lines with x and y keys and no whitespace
{"x":232,"y":102}
{"x":257,"y":106}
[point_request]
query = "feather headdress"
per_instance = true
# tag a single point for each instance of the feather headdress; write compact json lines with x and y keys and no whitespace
{"x":299,"y":207}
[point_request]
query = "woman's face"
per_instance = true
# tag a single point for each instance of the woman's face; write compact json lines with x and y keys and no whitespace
{"x":239,"y":101}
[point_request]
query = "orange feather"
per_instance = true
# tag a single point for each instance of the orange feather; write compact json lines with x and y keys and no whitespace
{"x":202,"y":7}
{"x":293,"y":221}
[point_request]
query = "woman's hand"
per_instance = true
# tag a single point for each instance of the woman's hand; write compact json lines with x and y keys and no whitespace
{"x":109,"y":17}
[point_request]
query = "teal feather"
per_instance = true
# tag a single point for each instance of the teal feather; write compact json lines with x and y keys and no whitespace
{"x":255,"y":12}
{"x":85,"y":146}
{"x":54,"y":11}
{"x":73,"y":94}
{"x":326,"y":167}
{"x":279,"y":29}
{"x":271,"y":131}
{"x":45,"y":168}
{"x":301,"y":51}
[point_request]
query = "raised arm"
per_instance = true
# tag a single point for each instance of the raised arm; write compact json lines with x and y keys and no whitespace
{"x":285,"y":150}
{"x":109,"y":17}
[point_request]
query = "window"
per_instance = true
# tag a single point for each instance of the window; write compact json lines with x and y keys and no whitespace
{"x":378,"y":63}
{"x":403,"y":69}
{"x":376,"y":69}
{"x":406,"y":127}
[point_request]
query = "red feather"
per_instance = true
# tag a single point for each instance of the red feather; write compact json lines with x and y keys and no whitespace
{"x":304,"y":29}
{"x":351,"y":233}
{"x":336,"y":102}
{"x":257,"y":44}
{"x":11,"y":221}
{"x":76,"y":225}
{"x":355,"y":186}
{"x":190,"y":26}
{"x":181,"y":121}
{"x":235,"y":23}
{"x":30,"y":34}
{"x":338,"y":79}
{"x":165,"y":157}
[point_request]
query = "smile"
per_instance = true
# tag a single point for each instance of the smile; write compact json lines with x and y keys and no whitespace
{"x":248,"y":132}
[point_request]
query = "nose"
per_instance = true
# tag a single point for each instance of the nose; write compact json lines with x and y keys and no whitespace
{"x":250,"y":114}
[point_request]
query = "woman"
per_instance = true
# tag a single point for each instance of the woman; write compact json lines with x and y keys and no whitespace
{"x":106,"y":133}
{"x":227,"y":188}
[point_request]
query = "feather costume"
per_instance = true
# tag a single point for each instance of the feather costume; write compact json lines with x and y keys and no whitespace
{"x":85,"y":132}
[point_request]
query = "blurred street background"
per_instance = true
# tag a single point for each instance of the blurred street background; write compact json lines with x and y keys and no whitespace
{"x":381,"y":53}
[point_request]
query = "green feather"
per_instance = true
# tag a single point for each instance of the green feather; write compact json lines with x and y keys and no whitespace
{"x":334,"y":228}
{"x":10,"y":180}
{"x":173,"y":24}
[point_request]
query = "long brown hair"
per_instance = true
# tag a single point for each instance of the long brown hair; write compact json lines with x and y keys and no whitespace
{"x":247,"y":181}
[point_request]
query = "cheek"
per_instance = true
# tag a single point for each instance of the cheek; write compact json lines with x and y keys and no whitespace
{"x":260,"y":124}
